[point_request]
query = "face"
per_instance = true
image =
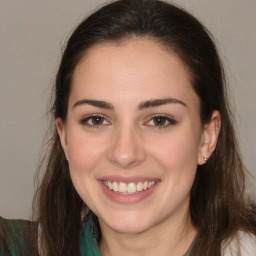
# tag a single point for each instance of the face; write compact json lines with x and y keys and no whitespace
{"x":133,"y":134}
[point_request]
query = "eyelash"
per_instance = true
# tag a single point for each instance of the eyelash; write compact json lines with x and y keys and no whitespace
{"x":166,"y":119}
{"x":88,"y":121}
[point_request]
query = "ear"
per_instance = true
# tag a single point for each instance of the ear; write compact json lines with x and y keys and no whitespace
{"x":61,"y":129}
{"x":209,"y":137}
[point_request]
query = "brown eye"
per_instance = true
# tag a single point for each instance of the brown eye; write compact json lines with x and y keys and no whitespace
{"x":97,"y":120}
{"x":94,"y":121}
{"x":161,"y":121}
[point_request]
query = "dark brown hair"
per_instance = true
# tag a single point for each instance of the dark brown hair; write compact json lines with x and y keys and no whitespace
{"x":217,"y":206}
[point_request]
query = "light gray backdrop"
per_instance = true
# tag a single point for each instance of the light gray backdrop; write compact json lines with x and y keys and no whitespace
{"x":31,"y":36}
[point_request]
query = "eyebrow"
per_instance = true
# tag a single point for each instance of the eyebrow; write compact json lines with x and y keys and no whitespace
{"x":141,"y":106}
{"x":160,"y":102}
{"x":95,"y":103}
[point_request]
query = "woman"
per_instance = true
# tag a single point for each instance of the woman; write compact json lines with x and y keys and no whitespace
{"x":143,"y":159}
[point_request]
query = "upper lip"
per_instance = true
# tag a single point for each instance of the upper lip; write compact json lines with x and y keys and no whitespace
{"x":133,"y":179}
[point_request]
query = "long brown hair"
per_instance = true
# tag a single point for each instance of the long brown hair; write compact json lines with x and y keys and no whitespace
{"x":217,"y":207}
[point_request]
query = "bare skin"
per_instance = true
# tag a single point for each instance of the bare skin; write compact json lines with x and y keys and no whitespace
{"x":133,"y":116}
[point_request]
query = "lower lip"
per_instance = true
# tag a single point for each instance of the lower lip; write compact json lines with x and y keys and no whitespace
{"x":127,"y":198}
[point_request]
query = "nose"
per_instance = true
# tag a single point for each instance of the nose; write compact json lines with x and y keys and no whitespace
{"x":127,"y":148}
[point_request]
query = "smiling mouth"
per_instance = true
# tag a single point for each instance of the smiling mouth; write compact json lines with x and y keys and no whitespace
{"x":128,"y":188}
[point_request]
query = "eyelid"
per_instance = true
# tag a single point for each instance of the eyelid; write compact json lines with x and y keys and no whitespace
{"x":85,"y":119}
{"x":171,"y":121}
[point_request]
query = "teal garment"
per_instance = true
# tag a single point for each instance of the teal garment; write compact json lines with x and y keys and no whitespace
{"x":19,"y":237}
{"x":90,"y":236}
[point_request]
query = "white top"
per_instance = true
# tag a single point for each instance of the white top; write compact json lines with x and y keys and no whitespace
{"x":244,"y":244}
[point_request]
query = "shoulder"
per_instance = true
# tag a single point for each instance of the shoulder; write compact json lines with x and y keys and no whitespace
{"x":243,"y":244}
{"x":18,"y":237}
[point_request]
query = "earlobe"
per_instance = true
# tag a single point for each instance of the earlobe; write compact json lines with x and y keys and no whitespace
{"x":62,"y":134}
{"x":209,"y":138}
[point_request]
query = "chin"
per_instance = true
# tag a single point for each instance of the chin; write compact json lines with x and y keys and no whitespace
{"x":129,"y":228}
{"x":128,"y":223}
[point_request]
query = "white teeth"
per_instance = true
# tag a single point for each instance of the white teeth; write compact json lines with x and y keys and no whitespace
{"x":145,"y":185}
{"x":109,"y":185}
{"x":151,"y":184}
{"x":115,"y":186}
{"x":130,"y":188}
{"x":139,"y":186}
{"x":122,"y":187}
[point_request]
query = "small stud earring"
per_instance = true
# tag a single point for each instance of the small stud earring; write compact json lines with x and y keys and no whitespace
{"x":66,"y":156}
{"x":205,"y":159}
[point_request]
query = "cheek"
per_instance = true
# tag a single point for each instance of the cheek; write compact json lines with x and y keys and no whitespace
{"x":84,"y":153}
{"x":177,"y":155}
{"x":178,"y":149}
{"x":178,"y":159}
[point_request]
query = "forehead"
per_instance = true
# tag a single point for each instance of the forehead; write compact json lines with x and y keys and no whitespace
{"x":134,"y":68}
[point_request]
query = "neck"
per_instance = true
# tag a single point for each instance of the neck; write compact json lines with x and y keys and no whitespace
{"x":166,"y":238}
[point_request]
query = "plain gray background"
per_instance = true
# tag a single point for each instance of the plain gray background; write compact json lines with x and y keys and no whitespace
{"x":32,"y":33}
